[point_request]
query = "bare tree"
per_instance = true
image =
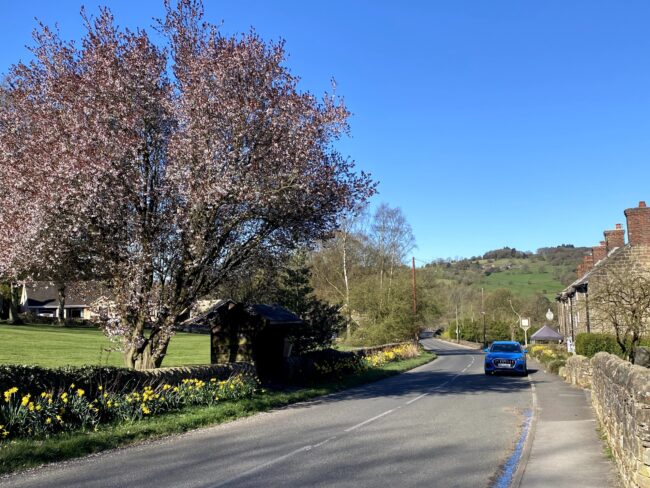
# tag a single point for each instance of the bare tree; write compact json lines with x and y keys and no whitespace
{"x":621,"y":299}
{"x":336,"y":261}
{"x":393,"y":239}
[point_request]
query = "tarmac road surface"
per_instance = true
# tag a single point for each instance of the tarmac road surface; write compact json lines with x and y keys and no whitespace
{"x":444,"y":424}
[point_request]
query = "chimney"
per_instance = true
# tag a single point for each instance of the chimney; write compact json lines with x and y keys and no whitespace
{"x":587,"y":263}
{"x":614,"y":238}
{"x":599,"y":252}
{"x":638,"y":225}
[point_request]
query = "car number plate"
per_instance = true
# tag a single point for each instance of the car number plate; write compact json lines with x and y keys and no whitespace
{"x":504,"y":365}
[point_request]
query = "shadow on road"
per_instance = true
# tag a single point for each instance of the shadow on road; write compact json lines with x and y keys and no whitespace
{"x":434,"y":382}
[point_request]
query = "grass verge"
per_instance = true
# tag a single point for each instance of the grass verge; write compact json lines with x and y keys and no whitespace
{"x":22,"y":454}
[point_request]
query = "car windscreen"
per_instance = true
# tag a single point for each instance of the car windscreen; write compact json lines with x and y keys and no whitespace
{"x":505,"y":348}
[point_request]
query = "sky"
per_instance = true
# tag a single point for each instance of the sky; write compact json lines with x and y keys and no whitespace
{"x":489,"y":123}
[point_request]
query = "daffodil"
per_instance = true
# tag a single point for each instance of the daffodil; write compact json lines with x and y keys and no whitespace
{"x":25,"y":400}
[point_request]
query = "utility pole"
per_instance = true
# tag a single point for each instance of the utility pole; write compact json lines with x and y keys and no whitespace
{"x":483,"y":314}
{"x":457,"y":329}
{"x":415,"y":299}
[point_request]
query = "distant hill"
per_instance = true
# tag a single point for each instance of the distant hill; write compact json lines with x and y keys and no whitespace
{"x":546,"y":271}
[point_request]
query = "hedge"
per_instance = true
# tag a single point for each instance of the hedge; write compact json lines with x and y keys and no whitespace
{"x":37,"y":379}
{"x":331,"y":363}
{"x":588,"y":344}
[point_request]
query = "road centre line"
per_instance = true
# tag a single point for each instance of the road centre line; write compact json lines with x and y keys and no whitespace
{"x":376,"y":417}
{"x":263,"y":465}
{"x":416,"y":398}
{"x":310,"y":447}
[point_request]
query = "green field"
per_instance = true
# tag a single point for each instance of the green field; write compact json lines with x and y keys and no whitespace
{"x":535,"y":277}
{"x":52,"y":346}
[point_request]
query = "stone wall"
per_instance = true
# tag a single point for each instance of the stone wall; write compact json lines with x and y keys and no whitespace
{"x":577,"y":371}
{"x":621,"y":398}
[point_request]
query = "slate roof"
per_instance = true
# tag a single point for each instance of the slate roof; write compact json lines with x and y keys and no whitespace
{"x":581,"y":283}
{"x":44,"y":294}
{"x":275,"y":314}
{"x":546,"y":333}
{"x":205,"y":319}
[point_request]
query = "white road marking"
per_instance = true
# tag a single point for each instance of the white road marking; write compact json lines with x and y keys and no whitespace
{"x":350,"y":429}
{"x":355,"y":427}
{"x":416,"y":399}
{"x":263,"y":465}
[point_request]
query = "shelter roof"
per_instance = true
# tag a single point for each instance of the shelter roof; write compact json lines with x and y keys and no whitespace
{"x":546,"y":333}
{"x":276,"y":314}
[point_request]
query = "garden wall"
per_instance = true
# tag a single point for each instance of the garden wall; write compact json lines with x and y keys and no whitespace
{"x":578,"y":371}
{"x":621,"y":397}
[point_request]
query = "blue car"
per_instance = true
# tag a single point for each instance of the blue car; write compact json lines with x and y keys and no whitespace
{"x":505,"y":356}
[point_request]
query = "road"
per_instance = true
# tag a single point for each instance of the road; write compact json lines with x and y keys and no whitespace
{"x":444,"y":424}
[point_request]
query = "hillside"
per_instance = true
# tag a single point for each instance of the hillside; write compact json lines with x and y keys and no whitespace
{"x":547,"y":271}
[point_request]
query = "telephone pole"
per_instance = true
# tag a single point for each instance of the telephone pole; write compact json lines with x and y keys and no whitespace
{"x":483,"y":314}
{"x":415,"y":299}
{"x":457,"y":328}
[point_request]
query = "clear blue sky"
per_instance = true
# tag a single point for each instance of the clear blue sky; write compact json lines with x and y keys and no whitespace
{"x":490,"y":123}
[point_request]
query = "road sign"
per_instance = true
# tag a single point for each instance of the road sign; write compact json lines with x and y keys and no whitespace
{"x":525,"y":324}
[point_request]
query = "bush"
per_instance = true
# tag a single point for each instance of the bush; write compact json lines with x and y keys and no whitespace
{"x":555,"y":365}
{"x":588,"y":344}
{"x":334,"y":364}
{"x":547,"y":353}
{"x":325,"y":363}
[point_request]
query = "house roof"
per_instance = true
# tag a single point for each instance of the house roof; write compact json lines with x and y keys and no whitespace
{"x":275,"y":314}
{"x":546,"y":333}
{"x":209,"y":315}
{"x":44,"y":294}
{"x":581,"y":283}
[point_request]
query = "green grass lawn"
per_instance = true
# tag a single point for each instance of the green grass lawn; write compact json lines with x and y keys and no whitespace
{"x":536,"y":278}
{"x":52,"y":346}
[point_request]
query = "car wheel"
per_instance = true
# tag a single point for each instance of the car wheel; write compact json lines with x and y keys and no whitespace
{"x":488,"y":373}
{"x":525,"y":373}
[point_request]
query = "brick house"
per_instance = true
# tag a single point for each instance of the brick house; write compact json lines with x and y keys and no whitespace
{"x":575,"y":315}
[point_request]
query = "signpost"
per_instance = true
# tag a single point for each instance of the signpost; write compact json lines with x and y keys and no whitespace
{"x":525,"y":324}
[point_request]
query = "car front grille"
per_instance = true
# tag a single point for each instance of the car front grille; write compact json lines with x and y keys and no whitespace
{"x":503,"y":363}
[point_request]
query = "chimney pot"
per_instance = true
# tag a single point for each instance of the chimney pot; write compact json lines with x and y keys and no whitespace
{"x":618,"y":226}
{"x":641,"y":204}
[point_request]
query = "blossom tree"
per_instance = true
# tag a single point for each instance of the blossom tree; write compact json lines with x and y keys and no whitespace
{"x":165,"y":169}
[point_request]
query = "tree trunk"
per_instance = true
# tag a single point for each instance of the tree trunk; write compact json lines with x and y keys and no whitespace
{"x":151,"y":353}
{"x":135,"y":347}
{"x":141,"y":358}
{"x":60,"y":313}
{"x":13,"y":305}
{"x":347,"y":288}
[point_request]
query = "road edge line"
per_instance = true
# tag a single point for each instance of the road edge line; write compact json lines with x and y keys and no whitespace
{"x":528,"y":446}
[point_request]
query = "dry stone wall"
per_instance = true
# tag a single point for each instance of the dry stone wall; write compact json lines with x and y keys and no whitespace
{"x":621,"y":398}
{"x":577,"y":371}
